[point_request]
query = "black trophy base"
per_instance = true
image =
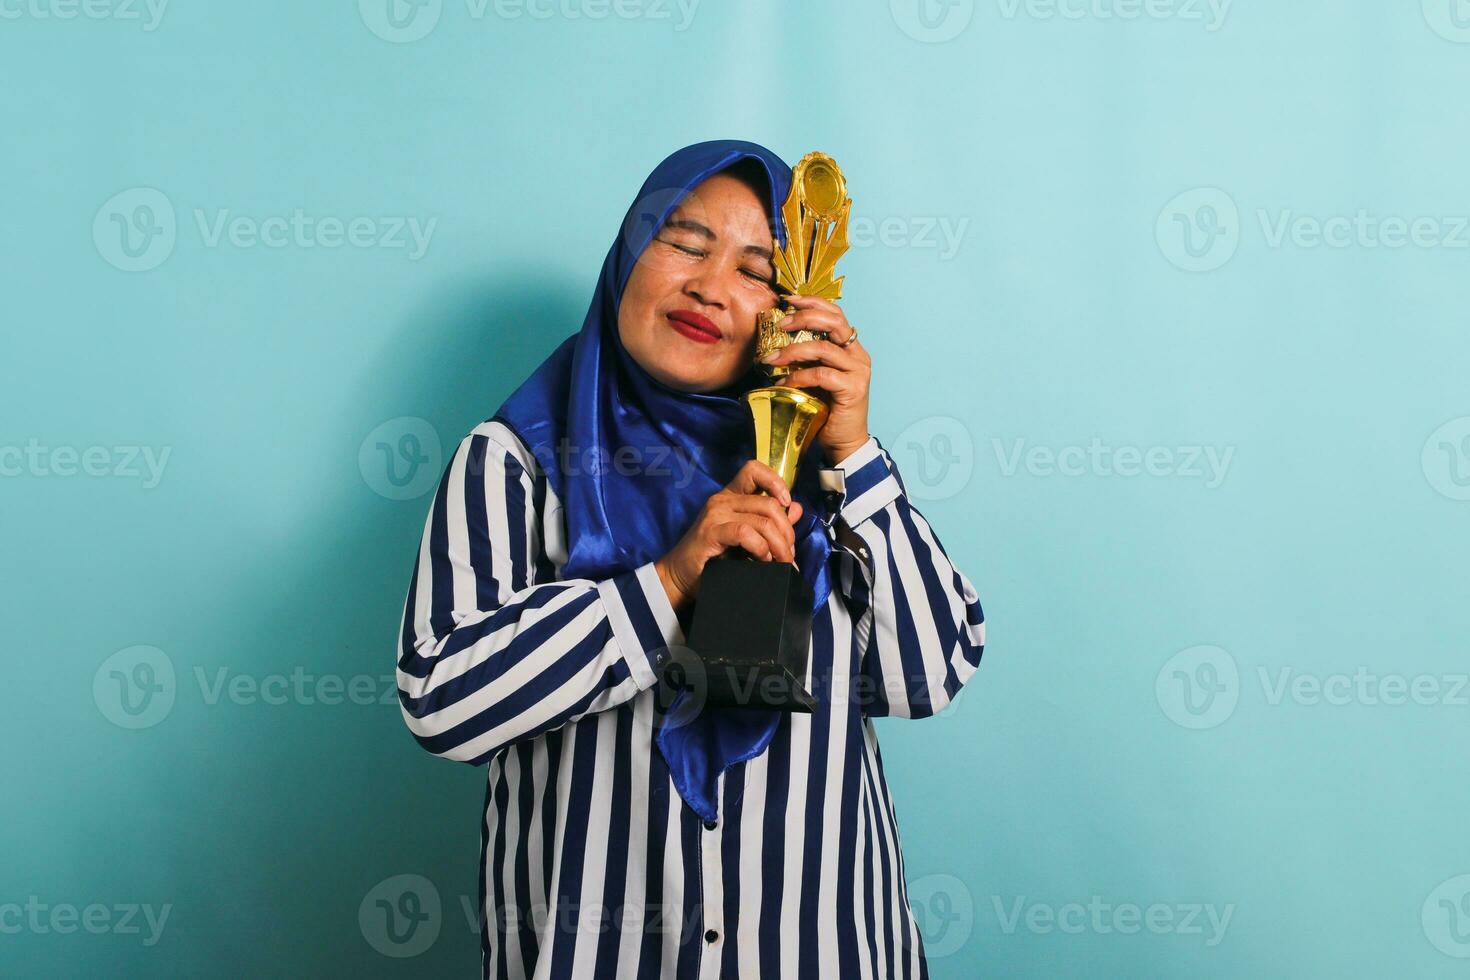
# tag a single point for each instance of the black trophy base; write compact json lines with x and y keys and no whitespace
{"x":752,"y":634}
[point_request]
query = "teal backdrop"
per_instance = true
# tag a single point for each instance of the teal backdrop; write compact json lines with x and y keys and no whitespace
{"x":1167,"y":302}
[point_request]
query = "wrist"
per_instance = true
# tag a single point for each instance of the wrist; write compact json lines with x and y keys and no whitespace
{"x":677,"y":597}
{"x":836,"y":454}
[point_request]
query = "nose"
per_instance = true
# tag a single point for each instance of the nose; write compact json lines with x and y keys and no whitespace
{"x":709,"y":287}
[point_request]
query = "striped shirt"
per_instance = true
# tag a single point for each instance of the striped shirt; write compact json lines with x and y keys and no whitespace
{"x":591,"y":864}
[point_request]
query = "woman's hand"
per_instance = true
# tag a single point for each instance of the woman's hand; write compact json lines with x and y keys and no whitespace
{"x":843,"y":372}
{"x":736,"y":516}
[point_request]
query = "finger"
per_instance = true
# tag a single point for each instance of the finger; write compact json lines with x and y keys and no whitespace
{"x":833,"y":326}
{"x":765,"y":508}
{"x":804,"y":302}
{"x":823,"y":320}
{"x":818,"y":350}
{"x":826,"y":378}
{"x":793,"y":513}
{"x":776,"y":534}
{"x":740,"y":535}
{"x":755,"y":475}
{"x":754,"y":503}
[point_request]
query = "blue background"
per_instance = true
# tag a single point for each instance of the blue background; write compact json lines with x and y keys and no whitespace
{"x":1113,"y":188}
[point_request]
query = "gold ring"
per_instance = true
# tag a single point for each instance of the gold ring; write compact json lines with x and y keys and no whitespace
{"x":850,"y":340}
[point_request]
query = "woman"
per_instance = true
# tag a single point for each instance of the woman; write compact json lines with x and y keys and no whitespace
{"x":558,"y":567}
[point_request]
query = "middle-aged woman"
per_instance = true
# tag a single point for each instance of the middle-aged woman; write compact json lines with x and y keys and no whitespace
{"x":559,"y":564}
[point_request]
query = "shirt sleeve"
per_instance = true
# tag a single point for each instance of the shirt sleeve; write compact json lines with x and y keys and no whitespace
{"x":493,"y":648}
{"x":920,"y":628}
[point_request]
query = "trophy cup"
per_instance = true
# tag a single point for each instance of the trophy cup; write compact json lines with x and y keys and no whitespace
{"x":752,"y":623}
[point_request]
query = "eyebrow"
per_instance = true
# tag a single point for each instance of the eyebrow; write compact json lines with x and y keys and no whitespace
{"x":689,"y":224}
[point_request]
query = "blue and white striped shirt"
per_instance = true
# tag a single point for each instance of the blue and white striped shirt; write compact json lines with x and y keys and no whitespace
{"x":591,"y":863}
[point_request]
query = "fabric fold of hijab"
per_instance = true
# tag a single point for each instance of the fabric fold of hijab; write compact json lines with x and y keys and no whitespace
{"x":590,"y":398}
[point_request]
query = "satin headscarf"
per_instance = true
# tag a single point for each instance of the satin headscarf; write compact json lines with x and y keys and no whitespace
{"x":590,"y":398}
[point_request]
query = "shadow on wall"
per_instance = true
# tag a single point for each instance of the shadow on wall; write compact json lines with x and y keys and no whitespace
{"x":336,"y":798}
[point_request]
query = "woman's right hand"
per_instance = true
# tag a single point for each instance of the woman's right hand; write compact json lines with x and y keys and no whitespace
{"x":739,"y":517}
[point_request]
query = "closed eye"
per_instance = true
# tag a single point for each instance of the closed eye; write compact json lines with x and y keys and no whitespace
{"x":683,"y":248}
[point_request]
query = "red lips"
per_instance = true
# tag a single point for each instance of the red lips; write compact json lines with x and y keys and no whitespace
{"x":694,"y":326}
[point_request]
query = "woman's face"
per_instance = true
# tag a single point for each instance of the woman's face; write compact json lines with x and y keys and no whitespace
{"x":688,"y":311}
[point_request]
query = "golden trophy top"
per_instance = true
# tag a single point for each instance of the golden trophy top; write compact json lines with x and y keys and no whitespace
{"x":815,"y":214}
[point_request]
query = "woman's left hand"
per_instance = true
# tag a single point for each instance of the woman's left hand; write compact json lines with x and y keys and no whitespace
{"x":842,"y":372}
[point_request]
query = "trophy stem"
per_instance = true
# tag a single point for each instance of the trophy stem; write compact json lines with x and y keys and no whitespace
{"x":786,"y":420}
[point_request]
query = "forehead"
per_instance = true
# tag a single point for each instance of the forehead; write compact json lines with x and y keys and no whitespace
{"x":726,"y":204}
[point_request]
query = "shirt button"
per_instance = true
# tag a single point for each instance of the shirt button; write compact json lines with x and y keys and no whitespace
{"x":710,"y":825}
{"x":711,"y":936}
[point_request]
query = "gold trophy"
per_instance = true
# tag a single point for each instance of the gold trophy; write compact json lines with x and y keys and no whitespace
{"x":752,"y":622}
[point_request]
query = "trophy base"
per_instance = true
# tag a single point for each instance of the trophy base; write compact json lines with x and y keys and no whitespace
{"x":752,"y":635}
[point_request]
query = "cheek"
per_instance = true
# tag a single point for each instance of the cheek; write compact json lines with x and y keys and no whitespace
{"x":640,"y":297}
{"x":746,"y":312}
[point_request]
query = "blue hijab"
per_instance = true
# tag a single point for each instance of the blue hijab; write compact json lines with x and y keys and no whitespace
{"x":592,"y":393}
